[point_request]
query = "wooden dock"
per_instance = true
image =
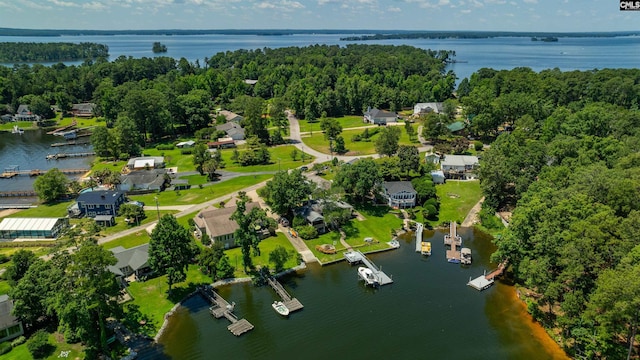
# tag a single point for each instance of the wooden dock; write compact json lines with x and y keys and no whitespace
{"x":419,"y":229}
{"x":69,"y":155}
{"x":355,"y":257}
{"x":7,"y":174}
{"x":455,"y":241}
{"x":73,"y":123}
{"x":292,"y":304}
{"x":486,"y":280}
{"x":70,"y":142}
{"x":221,"y":308}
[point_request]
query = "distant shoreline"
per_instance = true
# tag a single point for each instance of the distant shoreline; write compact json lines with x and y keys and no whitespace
{"x":365,"y":34}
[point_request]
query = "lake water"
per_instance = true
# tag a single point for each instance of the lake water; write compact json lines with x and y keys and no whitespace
{"x":498,"y":53}
{"x":428,"y":312}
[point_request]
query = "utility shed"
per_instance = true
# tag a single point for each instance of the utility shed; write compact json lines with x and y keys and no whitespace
{"x":32,"y":228}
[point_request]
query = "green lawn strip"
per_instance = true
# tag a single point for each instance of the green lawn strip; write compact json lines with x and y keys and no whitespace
{"x":129,"y":241}
{"x":195,"y":179}
{"x":24,"y":125}
{"x":319,"y":143}
{"x":4,"y":287}
{"x":121,"y":225}
{"x":58,"y":209}
{"x":196,"y":195}
{"x":20,"y":352}
{"x":347,"y":122}
{"x":107,"y":164}
{"x":456,"y":199}
{"x":280,"y":160}
{"x":266,"y":246}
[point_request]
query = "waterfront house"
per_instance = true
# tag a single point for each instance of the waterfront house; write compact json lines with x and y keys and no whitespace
{"x":100,"y":202}
{"x":146,"y":162}
{"x":24,"y":114}
{"x":10,"y":326}
{"x":425,"y":108}
{"x":399,"y":194}
{"x":216,"y":223}
{"x":32,"y":228}
{"x":379,"y":117}
{"x":83,"y":110}
{"x":230,"y":116}
{"x":148,"y":180}
{"x":459,"y":166}
{"x":312,"y":217}
{"x":133,"y":261}
{"x":233,"y":130}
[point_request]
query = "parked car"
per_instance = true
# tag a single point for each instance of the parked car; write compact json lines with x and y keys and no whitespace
{"x":304,"y":168}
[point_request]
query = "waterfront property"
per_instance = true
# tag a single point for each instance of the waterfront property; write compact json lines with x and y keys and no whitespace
{"x":220,"y":307}
{"x":455,"y":241}
{"x":399,"y":194}
{"x":291,"y":304}
{"x":459,"y":166}
{"x":24,"y":114}
{"x":10,"y":326}
{"x":94,"y":203}
{"x":357,"y":257}
{"x":216,"y":223}
{"x":32,"y":228}
{"x":83,"y":110}
{"x":379,"y":117}
{"x":133,"y":263}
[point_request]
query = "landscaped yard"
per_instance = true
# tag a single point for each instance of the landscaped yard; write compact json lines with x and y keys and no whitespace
{"x":456,"y":199}
{"x":319,"y":143}
{"x":195,"y":195}
{"x":280,"y":160}
{"x":61,"y":350}
{"x":347,"y":122}
{"x":58,"y":209}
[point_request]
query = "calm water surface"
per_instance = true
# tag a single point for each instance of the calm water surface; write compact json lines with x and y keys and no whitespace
{"x":428,"y":312}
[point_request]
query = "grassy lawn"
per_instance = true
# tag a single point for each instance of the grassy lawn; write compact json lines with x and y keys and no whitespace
{"x":58,"y":209}
{"x":151,"y":302}
{"x":456,"y":199}
{"x":195,"y":179}
{"x":318,"y":142}
{"x":121,"y":225}
{"x":111,"y":165}
{"x":173,"y":158}
{"x":280,"y":160}
{"x":378,"y":225}
{"x":347,"y":122}
{"x":57,"y":340}
{"x":196,"y":195}
{"x":24,"y":125}
{"x":129,"y":241}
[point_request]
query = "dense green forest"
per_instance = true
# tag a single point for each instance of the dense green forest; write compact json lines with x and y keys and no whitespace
{"x":570,"y":172}
{"x":13,"y":52}
{"x":164,"y":96}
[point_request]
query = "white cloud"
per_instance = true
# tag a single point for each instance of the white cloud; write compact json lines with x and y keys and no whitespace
{"x":94,"y":5}
{"x":282,"y":5}
{"x":394,"y":9}
{"x":265,"y":5}
{"x":531,"y":1}
{"x":8,"y":5}
{"x":63,"y":3}
{"x":466,"y":11}
{"x":35,"y":5}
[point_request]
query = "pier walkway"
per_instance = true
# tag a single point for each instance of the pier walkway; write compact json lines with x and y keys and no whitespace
{"x":455,"y":241}
{"x":419,"y":229}
{"x":8,"y":173}
{"x":221,"y":308}
{"x":486,"y":280}
{"x":69,"y":155}
{"x":355,"y":257}
{"x":292,"y":304}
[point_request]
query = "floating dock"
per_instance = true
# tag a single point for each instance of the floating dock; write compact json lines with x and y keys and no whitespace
{"x":356,"y":257}
{"x":455,"y":241}
{"x":419,"y":230}
{"x":292,"y":304}
{"x":221,"y":308}
{"x":486,"y":280}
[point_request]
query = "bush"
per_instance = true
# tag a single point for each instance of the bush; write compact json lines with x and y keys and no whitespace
{"x":307,"y":232}
{"x":38,"y":345}
{"x":477,"y":145}
{"x":355,"y":138}
{"x":5,"y":347}
{"x":4,"y":258}
{"x":165,"y":147}
{"x":186,"y":151}
{"x":430,"y":212}
{"x":19,"y":341}
{"x":205,"y":240}
{"x":298,"y":221}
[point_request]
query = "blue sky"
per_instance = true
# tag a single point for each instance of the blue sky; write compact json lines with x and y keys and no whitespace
{"x":503,"y":15}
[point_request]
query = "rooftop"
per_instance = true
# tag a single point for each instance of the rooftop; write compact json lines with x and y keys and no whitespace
{"x":17,"y":224}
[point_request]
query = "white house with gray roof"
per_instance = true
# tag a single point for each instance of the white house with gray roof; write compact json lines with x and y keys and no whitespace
{"x":399,"y":194}
{"x":379,"y":117}
{"x":429,"y":107}
{"x":460,"y":166}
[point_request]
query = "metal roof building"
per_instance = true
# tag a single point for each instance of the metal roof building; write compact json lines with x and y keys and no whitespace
{"x":32,"y":228}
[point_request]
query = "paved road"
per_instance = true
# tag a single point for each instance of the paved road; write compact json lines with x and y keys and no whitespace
{"x":296,"y":139}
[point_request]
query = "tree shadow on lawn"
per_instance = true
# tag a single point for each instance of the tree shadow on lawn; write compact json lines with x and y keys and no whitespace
{"x":351,"y":231}
{"x":178,"y":294}
{"x":371,"y":210}
{"x":138,"y":322}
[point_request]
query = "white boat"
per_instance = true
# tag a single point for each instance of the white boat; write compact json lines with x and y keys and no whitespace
{"x":368,"y":276}
{"x":17,"y":130}
{"x":280,"y":308}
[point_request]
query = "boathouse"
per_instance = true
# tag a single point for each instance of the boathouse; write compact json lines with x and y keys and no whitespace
{"x":32,"y":228}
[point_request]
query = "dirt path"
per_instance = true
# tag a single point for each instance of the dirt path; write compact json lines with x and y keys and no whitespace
{"x":472,"y":217}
